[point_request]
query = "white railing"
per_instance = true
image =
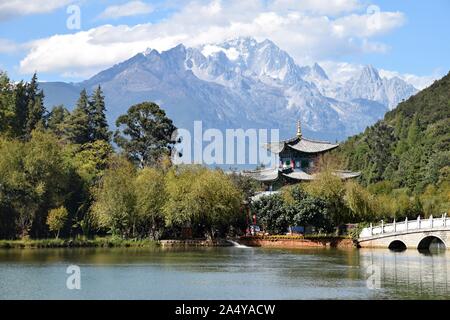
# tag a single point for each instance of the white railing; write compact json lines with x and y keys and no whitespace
{"x":406,"y":226}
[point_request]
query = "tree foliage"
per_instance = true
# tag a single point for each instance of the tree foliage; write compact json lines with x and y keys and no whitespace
{"x":114,"y":208}
{"x":410,"y":147}
{"x":145,"y":133}
{"x":206,"y":200}
{"x":56,"y":219}
{"x":151,"y":195}
{"x":271,"y":214}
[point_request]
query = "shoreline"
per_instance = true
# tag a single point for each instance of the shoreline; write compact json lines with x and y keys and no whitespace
{"x":280,"y":241}
{"x":76,"y":243}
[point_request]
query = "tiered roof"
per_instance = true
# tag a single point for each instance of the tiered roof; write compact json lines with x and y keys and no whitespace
{"x":270,"y":175}
{"x":300,"y":144}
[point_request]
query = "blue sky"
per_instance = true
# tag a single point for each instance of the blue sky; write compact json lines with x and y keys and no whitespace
{"x":406,"y":38}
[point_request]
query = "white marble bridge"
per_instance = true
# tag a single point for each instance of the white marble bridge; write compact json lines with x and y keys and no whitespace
{"x":417,"y":234}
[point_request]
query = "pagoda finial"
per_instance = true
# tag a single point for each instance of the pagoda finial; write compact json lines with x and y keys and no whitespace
{"x":299,"y":129}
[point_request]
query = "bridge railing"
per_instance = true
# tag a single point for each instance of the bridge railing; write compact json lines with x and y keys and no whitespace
{"x":404,"y":226}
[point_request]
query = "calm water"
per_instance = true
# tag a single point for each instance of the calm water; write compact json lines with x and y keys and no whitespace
{"x":225,"y":273}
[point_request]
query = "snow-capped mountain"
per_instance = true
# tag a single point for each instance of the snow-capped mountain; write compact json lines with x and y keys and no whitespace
{"x":242,"y":83}
{"x":370,"y":86}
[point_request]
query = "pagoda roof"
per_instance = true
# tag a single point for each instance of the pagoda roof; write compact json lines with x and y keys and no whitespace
{"x":299,"y":175}
{"x":301,"y":144}
{"x":263,"y":175}
{"x":269,"y":175}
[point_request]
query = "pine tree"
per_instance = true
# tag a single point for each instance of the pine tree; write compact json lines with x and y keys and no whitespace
{"x":35,"y":107}
{"x":6,"y":105}
{"x":56,"y":120}
{"x":78,"y":124}
{"x":20,"y":109}
{"x":99,"y":124}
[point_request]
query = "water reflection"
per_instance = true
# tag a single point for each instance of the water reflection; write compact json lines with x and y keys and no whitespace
{"x":226,"y":273}
{"x":410,"y":274}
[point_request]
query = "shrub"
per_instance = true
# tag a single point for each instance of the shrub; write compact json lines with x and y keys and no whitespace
{"x":56,"y":219}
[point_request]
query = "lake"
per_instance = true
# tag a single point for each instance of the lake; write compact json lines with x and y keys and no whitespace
{"x":225,"y":273}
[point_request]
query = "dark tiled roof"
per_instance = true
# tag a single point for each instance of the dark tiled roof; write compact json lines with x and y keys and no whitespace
{"x":268,"y":175}
{"x":301,"y":144}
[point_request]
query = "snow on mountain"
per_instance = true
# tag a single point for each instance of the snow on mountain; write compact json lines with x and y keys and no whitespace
{"x":369,"y":85}
{"x":243,"y":83}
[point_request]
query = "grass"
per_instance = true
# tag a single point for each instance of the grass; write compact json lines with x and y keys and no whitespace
{"x":98,"y":242}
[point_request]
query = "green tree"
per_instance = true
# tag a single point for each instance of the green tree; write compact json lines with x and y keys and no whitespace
{"x":306,"y":210}
{"x":414,"y":132}
{"x":56,"y":120}
{"x":216,"y":202}
{"x":24,"y":110}
{"x":78,"y":127}
{"x":35,"y":108}
{"x":245,"y":184}
{"x":114,"y":208}
{"x":360,"y":202}
{"x":330,"y":188}
{"x":150,"y":199}
{"x":47,"y":175}
{"x":13,"y":185}
{"x":145,"y":133}
{"x":34,"y":177}
{"x":203,"y":199}
{"x":56,"y":220}
{"x":100,"y":129}
{"x":177,"y":209}
{"x":7,"y":105}
{"x":91,"y":160}
{"x":272,"y":214}
{"x":20,"y":109}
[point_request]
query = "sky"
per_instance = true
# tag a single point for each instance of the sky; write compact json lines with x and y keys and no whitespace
{"x":72,"y":40}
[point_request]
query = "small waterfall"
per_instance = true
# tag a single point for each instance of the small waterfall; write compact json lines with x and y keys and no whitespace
{"x":237,"y":245}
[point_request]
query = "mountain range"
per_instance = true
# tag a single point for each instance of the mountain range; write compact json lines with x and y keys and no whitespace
{"x":241,"y":83}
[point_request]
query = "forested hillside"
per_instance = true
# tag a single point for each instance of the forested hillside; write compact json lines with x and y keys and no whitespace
{"x":410,"y":148}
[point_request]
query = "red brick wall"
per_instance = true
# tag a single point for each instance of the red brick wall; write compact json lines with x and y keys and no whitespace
{"x":298,"y":243}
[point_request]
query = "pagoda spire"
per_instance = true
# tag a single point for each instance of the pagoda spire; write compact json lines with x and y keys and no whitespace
{"x":299,"y":129}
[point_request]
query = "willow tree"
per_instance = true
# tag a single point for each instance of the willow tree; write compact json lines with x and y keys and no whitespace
{"x":331,"y":189}
{"x":206,"y":200}
{"x":150,"y":198}
{"x":114,"y":208}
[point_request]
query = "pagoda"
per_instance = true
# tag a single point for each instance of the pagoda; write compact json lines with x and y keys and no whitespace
{"x":298,"y":160}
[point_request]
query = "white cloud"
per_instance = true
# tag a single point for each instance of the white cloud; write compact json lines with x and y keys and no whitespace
{"x":340,"y":71}
{"x":343,"y":71}
{"x":76,"y":49}
{"x":419,"y":82}
{"x":128,"y":9}
{"x":231,"y":53}
{"x":302,"y":28}
{"x":326,"y":7}
{"x":367,"y":25}
{"x":13,"y":8}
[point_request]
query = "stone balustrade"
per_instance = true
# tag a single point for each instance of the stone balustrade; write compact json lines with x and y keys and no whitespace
{"x":406,"y":226}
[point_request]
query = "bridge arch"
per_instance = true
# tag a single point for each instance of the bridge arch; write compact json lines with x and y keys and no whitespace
{"x":431,"y":241}
{"x":397,"y":245}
